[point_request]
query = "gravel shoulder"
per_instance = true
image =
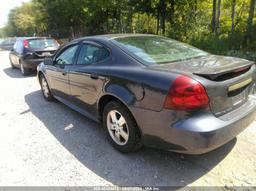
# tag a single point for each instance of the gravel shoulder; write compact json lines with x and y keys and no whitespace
{"x":48,"y":144}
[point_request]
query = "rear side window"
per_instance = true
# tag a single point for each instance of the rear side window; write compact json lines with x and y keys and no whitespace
{"x":42,"y":43}
{"x":90,"y":54}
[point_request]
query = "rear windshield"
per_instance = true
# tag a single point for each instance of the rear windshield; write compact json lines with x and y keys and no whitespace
{"x":157,"y":50}
{"x":42,"y":43}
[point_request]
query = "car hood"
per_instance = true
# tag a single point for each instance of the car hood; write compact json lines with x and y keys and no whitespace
{"x":208,"y":65}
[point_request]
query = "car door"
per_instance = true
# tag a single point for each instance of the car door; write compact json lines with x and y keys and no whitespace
{"x":86,"y":80}
{"x":57,"y":74}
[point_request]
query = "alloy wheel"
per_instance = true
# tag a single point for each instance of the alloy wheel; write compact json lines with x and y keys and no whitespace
{"x":45,"y":87}
{"x":117,"y":127}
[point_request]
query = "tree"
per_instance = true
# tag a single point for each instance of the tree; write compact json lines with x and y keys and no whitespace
{"x":217,"y":29}
{"x":231,"y":23}
{"x":233,"y":16}
{"x":249,"y":28}
{"x":213,"y":22}
{"x":172,"y":9}
{"x":162,"y":11}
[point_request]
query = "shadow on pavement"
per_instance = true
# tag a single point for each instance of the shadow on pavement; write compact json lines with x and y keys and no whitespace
{"x":87,"y":142}
{"x":16,"y":73}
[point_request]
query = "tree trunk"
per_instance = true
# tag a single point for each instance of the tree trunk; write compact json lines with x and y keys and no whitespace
{"x":163,"y":21}
{"x":148,"y":22}
{"x":217,"y":31}
{"x":138,"y":25}
{"x":162,"y":16}
{"x":233,"y":16}
{"x":72,"y":33}
{"x":107,"y":25}
{"x":195,"y":7}
{"x":249,"y":28}
{"x":213,"y":23}
{"x":157,"y":22}
{"x":119,"y":17}
{"x":172,"y":11}
{"x":130,"y":15}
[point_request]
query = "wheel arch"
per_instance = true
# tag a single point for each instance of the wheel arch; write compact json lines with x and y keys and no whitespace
{"x":105,"y":99}
{"x":116,"y":92}
{"x":39,"y":74}
{"x":108,"y":98}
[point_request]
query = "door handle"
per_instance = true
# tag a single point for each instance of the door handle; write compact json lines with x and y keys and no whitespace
{"x":94,"y":76}
{"x":64,"y":73}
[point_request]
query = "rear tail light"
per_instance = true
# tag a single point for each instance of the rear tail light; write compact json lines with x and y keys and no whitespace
{"x":25,"y":44}
{"x":186,"y":93}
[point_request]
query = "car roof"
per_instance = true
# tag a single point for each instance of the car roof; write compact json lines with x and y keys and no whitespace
{"x":31,"y":38}
{"x":112,"y":36}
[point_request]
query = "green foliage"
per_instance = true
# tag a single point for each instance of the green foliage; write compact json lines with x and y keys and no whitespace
{"x":185,"y":20}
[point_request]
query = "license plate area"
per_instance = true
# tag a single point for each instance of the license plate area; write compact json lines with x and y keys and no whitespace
{"x":46,"y":54}
{"x":239,"y":96}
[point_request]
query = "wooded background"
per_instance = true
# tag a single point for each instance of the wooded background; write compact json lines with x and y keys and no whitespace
{"x":218,"y":26}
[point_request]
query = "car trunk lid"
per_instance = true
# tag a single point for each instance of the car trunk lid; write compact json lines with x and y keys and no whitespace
{"x":228,"y":81}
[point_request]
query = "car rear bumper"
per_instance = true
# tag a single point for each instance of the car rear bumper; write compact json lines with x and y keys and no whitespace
{"x":32,"y":63}
{"x":192,"y":133}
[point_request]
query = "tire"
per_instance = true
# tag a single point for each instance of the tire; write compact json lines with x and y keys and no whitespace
{"x":126,"y":137}
{"x":45,"y":89}
{"x":24,"y":71}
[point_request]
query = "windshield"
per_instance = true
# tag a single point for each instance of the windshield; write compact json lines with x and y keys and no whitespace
{"x":42,"y":43}
{"x":158,"y":50}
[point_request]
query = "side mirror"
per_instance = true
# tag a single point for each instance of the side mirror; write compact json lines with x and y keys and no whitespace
{"x":48,"y":61}
{"x":54,"y":62}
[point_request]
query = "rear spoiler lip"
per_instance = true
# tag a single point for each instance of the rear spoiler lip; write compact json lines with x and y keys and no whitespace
{"x":215,"y":74}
